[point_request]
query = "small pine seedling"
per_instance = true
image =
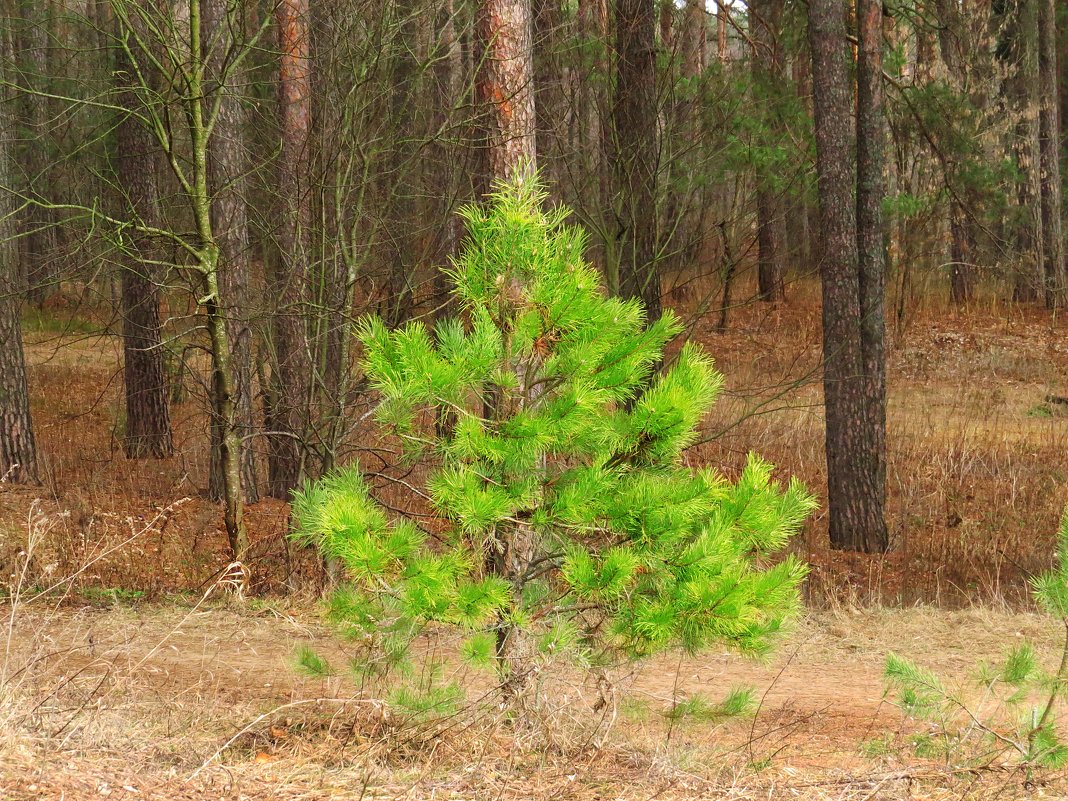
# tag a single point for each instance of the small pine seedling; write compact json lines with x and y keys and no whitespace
{"x":1018,"y":713}
{"x":566,"y":521}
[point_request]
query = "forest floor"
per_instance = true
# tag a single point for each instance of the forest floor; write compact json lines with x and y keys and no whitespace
{"x":121,"y":680}
{"x":180,"y":700}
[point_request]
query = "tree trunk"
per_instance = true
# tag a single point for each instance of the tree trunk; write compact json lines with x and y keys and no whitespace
{"x":722,"y":22}
{"x":506,"y":85}
{"x":227,"y":170}
{"x":852,"y":475}
{"x":1019,"y":49}
{"x":400,"y":189}
{"x":445,"y":153}
{"x":292,"y":373}
{"x":39,"y":242}
{"x":634,"y":122}
{"x":548,"y":93}
{"x":223,"y":389}
{"x":871,"y":251}
{"x":148,"y":422}
{"x":1049,"y":140}
{"x":953,"y":43}
{"x":693,"y":44}
{"x":769,"y":75}
{"x":18,"y":451}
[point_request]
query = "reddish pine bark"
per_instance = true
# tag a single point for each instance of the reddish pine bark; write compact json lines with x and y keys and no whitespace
{"x":506,"y":85}
{"x":290,"y":385}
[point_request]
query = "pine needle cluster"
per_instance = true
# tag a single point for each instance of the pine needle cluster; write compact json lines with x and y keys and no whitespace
{"x":555,"y":452}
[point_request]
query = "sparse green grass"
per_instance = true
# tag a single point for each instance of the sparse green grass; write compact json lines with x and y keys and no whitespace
{"x":42,"y":321}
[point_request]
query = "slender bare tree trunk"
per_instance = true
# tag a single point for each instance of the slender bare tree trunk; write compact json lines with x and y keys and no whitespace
{"x":446,"y":154}
{"x":871,"y":249}
{"x":148,"y":422}
{"x":400,"y":188}
{"x":548,"y":92}
{"x":1049,"y":142}
{"x":18,"y":450}
{"x":224,"y":387}
{"x":39,"y":243}
{"x":1022,"y":50}
{"x":722,"y":21}
{"x":634,"y":152}
{"x":769,"y":74}
{"x":292,"y":378}
{"x":693,"y":46}
{"x":228,"y":167}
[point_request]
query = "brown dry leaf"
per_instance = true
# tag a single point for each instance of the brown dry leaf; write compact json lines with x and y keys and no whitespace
{"x":262,"y":758}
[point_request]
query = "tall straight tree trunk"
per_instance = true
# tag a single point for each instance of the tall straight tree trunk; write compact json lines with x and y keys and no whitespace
{"x":852,"y":476}
{"x":722,"y":22}
{"x":506,"y":85}
{"x":591,"y":132}
{"x":39,"y":243}
{"x":18,"y":451}
{"x":1022,"y":47}
{"x":1049,"y":142}
{"x":148,"y":421}
{"x":769,"y":75}
{"x":446,"y":153}
{"x":694,"y":45}
{"x":548,"y":92}
{"x":634,"y":123}
{"x":292,"y":378}
{"x":227,"y":168}
{"x":400,"y":189}
{"x":871,"y":252}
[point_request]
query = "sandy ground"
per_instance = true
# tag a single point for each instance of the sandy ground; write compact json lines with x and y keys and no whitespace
{"x":180,"y":701}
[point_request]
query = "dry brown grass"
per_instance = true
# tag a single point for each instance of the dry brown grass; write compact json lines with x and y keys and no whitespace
{"x":201,"y":700}
{"x":977,"y":473}
{"x":112,"y":682}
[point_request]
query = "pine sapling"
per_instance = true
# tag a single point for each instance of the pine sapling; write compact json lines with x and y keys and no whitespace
{"x":565,"y":519}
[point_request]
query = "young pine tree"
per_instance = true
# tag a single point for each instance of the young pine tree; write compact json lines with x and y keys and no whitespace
{"x":568,"y":522}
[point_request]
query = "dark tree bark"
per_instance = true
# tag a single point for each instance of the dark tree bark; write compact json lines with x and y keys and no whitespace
{"x":871,"y":251}
{"x":1019,"y":50}
{"x":1049,"y":141}
{"x":954,"y":46}
{"x":549,"y":106}
{"x":447,"y":156}
{"x":856,"y":521}
{"x":769,"y":74}
{"x":399,"y":186}
{"x":148,"y":421}
{"x":18,"y":451}
{"x":634,"y":152}
{"x":505,"y":85}
{"x":292,"y":355}
{"x":227,"y":170}
{"x":39,"y":242}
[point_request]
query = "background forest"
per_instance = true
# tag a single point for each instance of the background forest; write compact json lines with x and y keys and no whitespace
{"x":854,"y":207}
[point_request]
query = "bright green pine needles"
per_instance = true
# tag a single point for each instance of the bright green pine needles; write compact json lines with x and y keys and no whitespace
{"x":555,"y":467}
